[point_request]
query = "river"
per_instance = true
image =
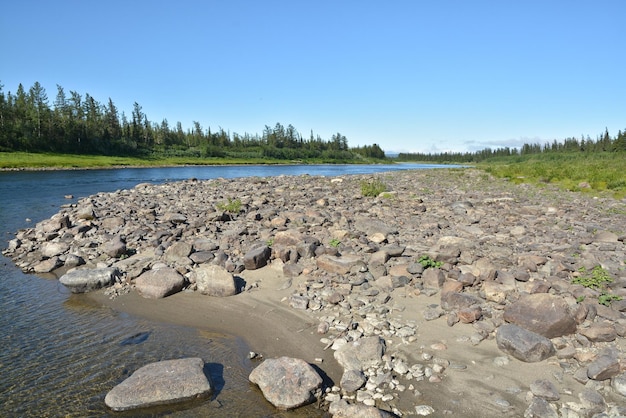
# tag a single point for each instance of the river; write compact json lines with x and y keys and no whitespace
{"x":61,"y":354}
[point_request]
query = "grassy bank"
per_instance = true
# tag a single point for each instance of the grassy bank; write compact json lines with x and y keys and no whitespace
{"x":585,"y":172}
{"x":35,"y":161}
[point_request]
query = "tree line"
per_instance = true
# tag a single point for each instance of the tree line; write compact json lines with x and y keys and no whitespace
{"x":79,"y":124}
{"x":603,"y":143}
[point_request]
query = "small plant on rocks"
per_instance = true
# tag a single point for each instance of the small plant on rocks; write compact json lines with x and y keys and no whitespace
{"x":334,"y":242}
{"x":233,"y":206}
{"x":372,"y":188}
{"x":427,"y":262}
{"x":598,"y":279}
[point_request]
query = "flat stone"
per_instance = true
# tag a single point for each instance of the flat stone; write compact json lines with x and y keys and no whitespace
{"x":342,"y":409}
{"x":86,"y":280}
{"x":545,"y":389}
{"x":339,"y":265}
{"x":52,"y":249}
{"x":161,"y":383}
{"x":600,"y":332}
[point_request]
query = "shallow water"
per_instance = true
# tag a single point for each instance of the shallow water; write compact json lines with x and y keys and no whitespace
{"x":61,"y":353}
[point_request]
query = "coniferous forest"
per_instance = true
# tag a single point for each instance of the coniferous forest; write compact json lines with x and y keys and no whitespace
{"x":80,"y":124}
{"x":603,"y":143}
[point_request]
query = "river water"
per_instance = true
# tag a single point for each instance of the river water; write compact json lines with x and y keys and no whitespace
{"x":61,"y":354}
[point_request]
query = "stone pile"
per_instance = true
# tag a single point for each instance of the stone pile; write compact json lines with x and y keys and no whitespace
{"x":482,"y":253}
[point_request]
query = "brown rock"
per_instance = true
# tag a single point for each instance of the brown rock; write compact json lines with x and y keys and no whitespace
{"x":542,"y":313}
{"x":600,"y":332}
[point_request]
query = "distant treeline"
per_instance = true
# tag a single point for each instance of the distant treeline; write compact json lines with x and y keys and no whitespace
{"x":79,"y":124}
{"x":603,"y":143}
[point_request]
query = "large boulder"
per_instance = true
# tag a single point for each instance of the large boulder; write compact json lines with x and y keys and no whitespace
{"x":159,"y":283}
{"x":214,"y":280}
{"x":286,"y":382}
{"x":160,"y":383}
{"x":542,"y":313}
{"x":522,"y":344}
{"x":86,"y":280}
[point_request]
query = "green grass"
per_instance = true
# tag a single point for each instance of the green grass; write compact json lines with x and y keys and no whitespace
{"x":584,"y":172}
{"x":26,"y":160}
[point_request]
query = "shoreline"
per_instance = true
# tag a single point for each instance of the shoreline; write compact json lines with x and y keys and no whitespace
{"x":351,"y":262}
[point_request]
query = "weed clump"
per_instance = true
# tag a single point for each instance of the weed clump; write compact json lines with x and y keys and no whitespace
{"x":373,"y":188}
{"x":597,"y":279}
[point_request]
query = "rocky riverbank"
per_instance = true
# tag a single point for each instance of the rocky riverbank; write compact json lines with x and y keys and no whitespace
{"x":451,"y":293}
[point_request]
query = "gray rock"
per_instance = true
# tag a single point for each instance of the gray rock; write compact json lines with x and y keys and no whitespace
{"x":204,"y":244}
{"x":52,"y":249}
{"x":201,"y":257}
{"x":352,"y":380}
{"x":361,"y":354}
{"x":286,"y":382}
{"x":342,"y":409}
{"x":159,"y":283}
{"x":46,"y":266}
{"x":522,"y":344}
{"x":115,"y":247}
{"x":178,"y":250}
{"x":257,"y":257}
{"x":452,"y":301}
{"x":433,"y":277}
{"x":592,"y":401}
{"x":85,"y":212}
{"x":540,"y":408}
{"x":87,"y":280}
{"x":299,"y":302}
{"x":543,"y":314}
{"x":72,"y":260}
{"x":214,"y":280}
{"x":618,"y":383}
{"x":160,"y":383}
{"x":545,"y":389}
{"x":605,"y":366}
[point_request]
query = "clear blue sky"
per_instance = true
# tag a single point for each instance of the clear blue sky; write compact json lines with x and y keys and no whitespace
{"x":425,"y":76}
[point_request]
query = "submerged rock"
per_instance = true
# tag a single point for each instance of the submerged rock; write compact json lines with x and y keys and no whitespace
{"x":163,"y":382}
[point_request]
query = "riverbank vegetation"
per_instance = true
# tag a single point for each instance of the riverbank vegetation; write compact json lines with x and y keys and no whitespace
{"x":78,"y":124}
{"x":584,"y":164}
